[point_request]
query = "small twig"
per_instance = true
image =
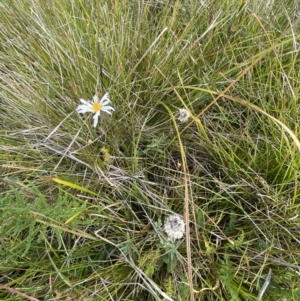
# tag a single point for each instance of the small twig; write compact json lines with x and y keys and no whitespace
{"x":100,"y":58}
{"x":147,"y":51}
{"x":186,"y":205}
{"x":56,"y":128}
{"x":12,"y":290}
{"x":217,"y":285}
{"x":66,"y":151}
{"x":265,"y":285}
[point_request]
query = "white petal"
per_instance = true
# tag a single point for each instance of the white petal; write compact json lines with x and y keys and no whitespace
{"x":105,"y":99}
{"x":88,"y":106}
{"x":95,"y":117}
{"x":84,"y":109}
{"x":106,"y":102}
{"x":104,"y":107}
{"x":95,"y":98}
{"x":84,"y":101}
{"x":107,"y":109}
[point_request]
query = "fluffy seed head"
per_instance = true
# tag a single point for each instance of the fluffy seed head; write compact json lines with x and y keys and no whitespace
{"x":183,"y":115}
{"x":174,"y":227}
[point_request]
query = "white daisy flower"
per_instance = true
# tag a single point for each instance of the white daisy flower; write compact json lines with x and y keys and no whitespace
{"x":174,"y":226}
{"x":95,"y":107}
{"x":184,"y":115}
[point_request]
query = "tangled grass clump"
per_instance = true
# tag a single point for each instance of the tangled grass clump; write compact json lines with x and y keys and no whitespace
{"x":83,"y":205}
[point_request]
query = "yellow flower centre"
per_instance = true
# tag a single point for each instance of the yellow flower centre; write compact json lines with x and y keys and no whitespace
{"x":97,"y":106}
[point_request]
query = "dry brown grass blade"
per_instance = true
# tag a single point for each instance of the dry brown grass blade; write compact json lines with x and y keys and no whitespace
{"x":16,"y":292}
{"x":186,"y":195}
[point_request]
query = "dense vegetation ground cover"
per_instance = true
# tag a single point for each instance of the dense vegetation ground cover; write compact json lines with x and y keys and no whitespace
{"x":82,"y":209}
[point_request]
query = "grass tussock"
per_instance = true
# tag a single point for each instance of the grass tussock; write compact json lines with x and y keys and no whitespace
{"x":82,"y":209}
